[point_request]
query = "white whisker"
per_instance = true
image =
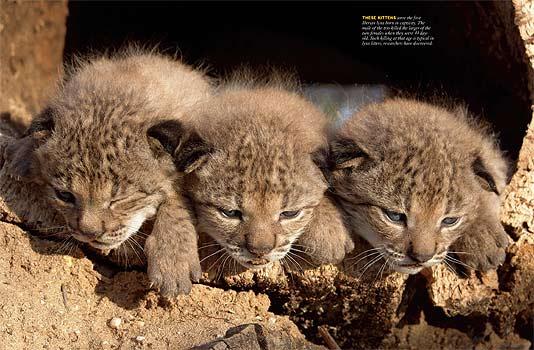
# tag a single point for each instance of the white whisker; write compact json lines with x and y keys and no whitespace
{"x":460,"y":252}
{"x":365,"y":257}
{"x":212,"y":254}
{"x":208,"y":245}
{"x":295,"y":263}
{"x":456,"y":261}
{"x":371,"y":263}
{"x":300,"y":257}
{"x":133,"y":249}
{"x":216,"y":261}
{"x":365,"y":251}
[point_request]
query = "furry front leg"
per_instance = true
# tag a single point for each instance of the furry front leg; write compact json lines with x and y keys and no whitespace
{"x":483,"y":245}
{"x":326,"y":239}
{"x":171,"y":249}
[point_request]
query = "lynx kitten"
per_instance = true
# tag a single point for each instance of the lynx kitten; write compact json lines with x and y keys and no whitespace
{"x":253,"y":176}
{"x":421,"y":183}
{"x":99,"y":158}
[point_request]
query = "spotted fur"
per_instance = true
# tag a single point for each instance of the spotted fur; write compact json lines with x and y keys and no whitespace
{"x":259,"y":147}
{"x":91,"y":151}
{"x":427,"y":164}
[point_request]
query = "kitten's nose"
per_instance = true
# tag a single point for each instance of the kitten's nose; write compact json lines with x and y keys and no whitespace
{"x":419,"y":257}
{"x":90,"y":224}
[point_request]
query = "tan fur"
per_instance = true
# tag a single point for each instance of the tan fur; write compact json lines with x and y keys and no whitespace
{"x":260,"y":143}
{"x":427,"y":163}
{"x":90,"y":146}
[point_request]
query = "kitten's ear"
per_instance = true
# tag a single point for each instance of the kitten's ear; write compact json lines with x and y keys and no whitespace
{"x":345,"y":153}
{"x":187,"y":149}
{"x":43,"y":123}
{"x":485,"y":178}
{"x":165,"y":137}
{"x":320,"y":159}
{"x":192,"y":153}
{"x":19,"y":156}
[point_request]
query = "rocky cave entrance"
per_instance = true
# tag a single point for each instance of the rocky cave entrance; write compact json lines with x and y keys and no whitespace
{"x":477,"y":58}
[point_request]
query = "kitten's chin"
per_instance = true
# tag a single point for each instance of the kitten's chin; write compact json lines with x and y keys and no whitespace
{"x":408,"y":269}
{"x":414,"y":268}
{"x":257,"y":264}
{"x":105,"y":247}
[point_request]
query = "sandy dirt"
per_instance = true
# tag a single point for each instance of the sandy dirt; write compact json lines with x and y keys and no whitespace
{"x":57,"y":301}
{"x":57,"y":296}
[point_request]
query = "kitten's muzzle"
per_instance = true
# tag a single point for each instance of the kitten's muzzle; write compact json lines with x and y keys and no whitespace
{"x":96,"y":239}
{"x":91,"y":235}
{"x":87,"y":236}
{"x":259,"y":251}
{"x":419,"y":257}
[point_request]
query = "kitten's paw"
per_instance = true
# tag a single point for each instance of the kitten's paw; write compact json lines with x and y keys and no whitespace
{"x":328,"y":251}
{"x":173,"y":274}
{"x":485,"y":249}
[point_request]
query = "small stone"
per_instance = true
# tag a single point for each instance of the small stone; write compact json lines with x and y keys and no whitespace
{"x":219,"y":346}
{"x":140,"y":339}
{"x":75,"y":336}
{"x":140,"y":323}
{"x":115,"y":323}
{"x":105,"y":345}
{"x":68,"y":260}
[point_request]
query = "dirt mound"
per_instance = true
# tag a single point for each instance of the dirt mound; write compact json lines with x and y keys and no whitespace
{"x":59,"y":296}
{"x":55,"y":301}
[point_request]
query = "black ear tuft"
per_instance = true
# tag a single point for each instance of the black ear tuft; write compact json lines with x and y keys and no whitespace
{"x":19,"y":156}
{"x":320,"y":159}
{"x":483,"y":176}
{"x":185,"y":146}
{"x":19,"y":159}
{"x":168,"y":133}
{"x":342,"y":151}
{"x":44,"y":121}
{"x":191,"y":152}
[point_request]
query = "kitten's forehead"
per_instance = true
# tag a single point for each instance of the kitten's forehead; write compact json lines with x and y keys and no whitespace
{"x":91,"y":161}
{"x":260,"y":176}
{"x":423,"y":177}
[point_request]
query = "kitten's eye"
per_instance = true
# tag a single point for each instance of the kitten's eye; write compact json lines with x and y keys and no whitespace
{"x":394,"y":216}
{"x":449,"y":221}
{"x":231,"y":214}
{"x":65,"y":196}
{"x":290,"y":214}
